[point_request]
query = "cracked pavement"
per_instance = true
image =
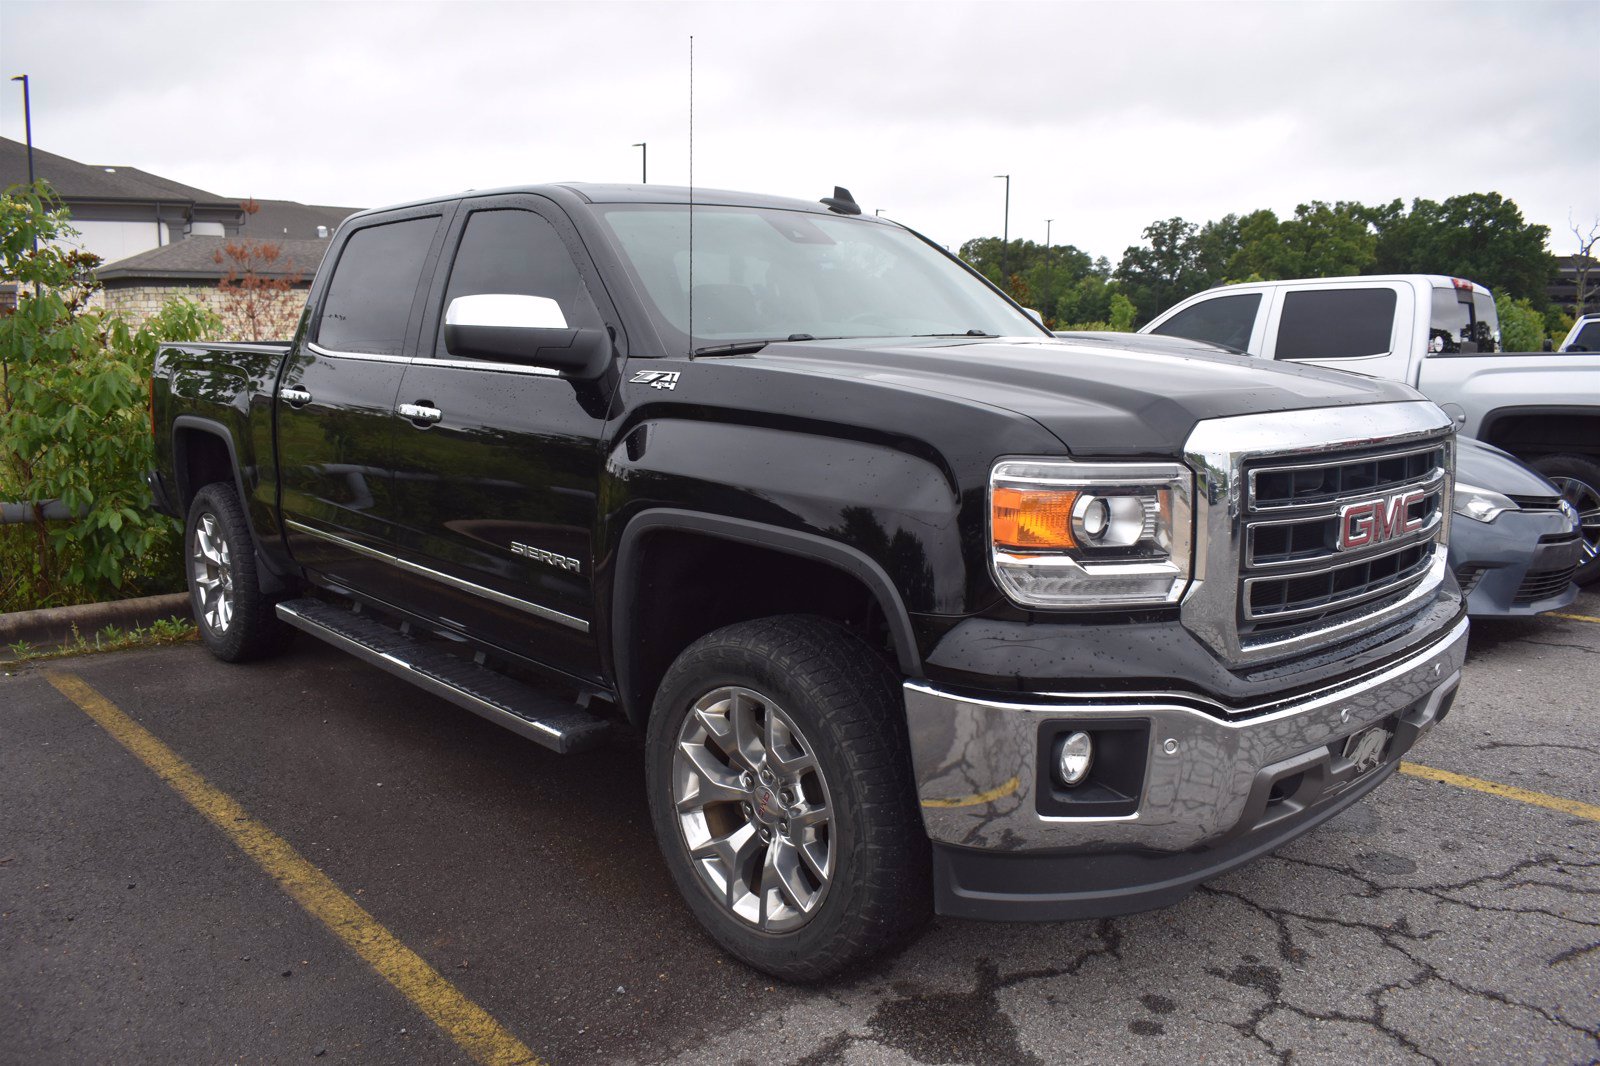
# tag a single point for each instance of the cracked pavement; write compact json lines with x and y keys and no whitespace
{"x":1429,"y":923}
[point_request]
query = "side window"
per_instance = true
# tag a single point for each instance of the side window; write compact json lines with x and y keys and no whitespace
{"x":1587,"y":340}
{"x":1336,"y":323}
{"x":374,"y":285}
{"x":518,"y":252}
{"x":1225,"y":320}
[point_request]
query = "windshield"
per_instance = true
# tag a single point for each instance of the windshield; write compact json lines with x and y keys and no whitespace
{"x":766,"y":274}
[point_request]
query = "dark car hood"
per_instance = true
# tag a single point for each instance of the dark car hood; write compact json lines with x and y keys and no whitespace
{"x":1096,"y":399}
{"x":1487,"y":467}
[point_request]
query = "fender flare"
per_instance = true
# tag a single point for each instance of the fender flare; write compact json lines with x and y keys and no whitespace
{"x":1491,"y":421}
{"x":270,"y":575}
{"x":851,"y":561}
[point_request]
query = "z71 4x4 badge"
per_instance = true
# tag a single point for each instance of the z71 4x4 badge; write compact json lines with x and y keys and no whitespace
{"x":656,"y":379}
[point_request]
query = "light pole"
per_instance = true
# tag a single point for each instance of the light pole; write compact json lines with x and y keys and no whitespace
{"x":644,"y":163}
{"x":27,"y":125}
{"x":1047,"y":235}
{"x":27,"y":121}
{"x":877,"y":212}
{"x":1005,"y":235}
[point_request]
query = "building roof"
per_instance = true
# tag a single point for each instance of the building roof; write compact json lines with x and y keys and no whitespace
{"x":73,"y":180}
{"x":279,"y":219}
{"x":195,"y":259}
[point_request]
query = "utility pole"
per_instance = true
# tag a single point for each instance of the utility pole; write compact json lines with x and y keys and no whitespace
{"x":644,"y":163}
{"x":1047,"y":236}
{"x":1005,"y":237}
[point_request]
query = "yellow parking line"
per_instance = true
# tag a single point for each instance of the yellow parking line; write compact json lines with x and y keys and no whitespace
{"x":468,"y":1024}
{"x":1494,"y":788}
{"x":977,"y":799}
{"x":1574,"y":617}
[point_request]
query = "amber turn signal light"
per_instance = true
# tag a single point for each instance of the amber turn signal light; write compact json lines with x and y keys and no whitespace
{"x":1033,"y":519}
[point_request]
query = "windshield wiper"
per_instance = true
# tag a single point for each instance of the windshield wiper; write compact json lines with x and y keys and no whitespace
{"x":750,"y":346}
{"x":965,"y":333}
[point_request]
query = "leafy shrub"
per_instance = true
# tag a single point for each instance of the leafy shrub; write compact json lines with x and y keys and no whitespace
{"x":74,"y":423}
{"x":1521,"y":326}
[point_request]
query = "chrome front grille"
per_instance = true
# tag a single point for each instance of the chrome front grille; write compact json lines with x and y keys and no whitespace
{"x":1274,"y":574}
{"x":1295,"y":573}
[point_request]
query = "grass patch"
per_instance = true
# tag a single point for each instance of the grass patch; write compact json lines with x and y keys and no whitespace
{"x":111,"y":638}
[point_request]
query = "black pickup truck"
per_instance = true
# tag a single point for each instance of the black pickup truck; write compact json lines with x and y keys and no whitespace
{"x":916,"y":607}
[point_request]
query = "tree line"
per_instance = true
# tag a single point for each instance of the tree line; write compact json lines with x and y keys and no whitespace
{"x":1480,"y":236}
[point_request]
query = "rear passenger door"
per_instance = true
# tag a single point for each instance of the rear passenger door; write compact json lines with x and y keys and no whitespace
{"x":335,"y":404}
{"x":499,"y":487}
{"x":1361,"y":327}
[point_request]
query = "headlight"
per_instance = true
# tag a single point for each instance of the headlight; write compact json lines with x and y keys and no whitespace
{"x":1480,"y":504}
{"x":1090,"y":535}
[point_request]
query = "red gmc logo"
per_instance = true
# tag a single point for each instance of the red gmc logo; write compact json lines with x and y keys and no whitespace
{"x":1361,"y":525}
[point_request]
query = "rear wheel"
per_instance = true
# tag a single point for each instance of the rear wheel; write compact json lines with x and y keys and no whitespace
{"x":780,"y":788}
{"x":236,"y":619}
{"x":1578,"y":478}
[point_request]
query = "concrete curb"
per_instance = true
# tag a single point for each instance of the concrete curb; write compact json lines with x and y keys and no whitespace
{"x":53,"y":625}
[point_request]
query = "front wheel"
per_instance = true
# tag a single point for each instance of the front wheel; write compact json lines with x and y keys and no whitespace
{"x":1578,"y":478}
{"x":780,"y":788}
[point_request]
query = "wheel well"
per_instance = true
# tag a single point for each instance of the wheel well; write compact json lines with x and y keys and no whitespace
{"x":1529,"y":435}
{"x":687,"y":584}
{"x":199,"y":458}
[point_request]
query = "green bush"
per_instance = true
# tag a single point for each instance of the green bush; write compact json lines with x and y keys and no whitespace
{"x":74,"y":421}
{"x":1521,"y":326}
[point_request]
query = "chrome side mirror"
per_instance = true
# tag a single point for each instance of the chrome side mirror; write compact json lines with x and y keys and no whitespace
{"x":517,"y":328}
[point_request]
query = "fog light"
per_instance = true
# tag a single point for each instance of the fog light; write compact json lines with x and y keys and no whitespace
{"x":1077,"y":754}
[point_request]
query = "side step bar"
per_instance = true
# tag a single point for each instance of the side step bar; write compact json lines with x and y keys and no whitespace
{"x":559,"y":726}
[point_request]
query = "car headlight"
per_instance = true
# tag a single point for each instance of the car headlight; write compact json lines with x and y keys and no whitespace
{"x":1090,"y":535}
{"x":1482,"y":505}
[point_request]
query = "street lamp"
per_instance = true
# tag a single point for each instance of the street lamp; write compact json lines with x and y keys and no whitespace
{"x":1005,"y":234}
{"x":1047,"y":235}
{"x":644,"y":163}
{"x":27,"y":119}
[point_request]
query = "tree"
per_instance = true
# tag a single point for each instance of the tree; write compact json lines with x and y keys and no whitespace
{"x":1584,"y":264}
{"x":73,"y":420}
{"x":1158,"y":274}
{"x":254,"y":304}
{"x":1521,"y":327}
{"x":1478,"y":236}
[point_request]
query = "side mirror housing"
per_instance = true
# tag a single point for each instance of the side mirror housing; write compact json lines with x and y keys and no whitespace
{"x":531,"y":330}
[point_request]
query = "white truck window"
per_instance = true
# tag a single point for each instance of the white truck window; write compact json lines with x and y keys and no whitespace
{"x":1336,"y":323}
{"x":1226,"y":320}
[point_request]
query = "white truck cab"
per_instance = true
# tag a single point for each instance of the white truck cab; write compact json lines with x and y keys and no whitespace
{"x":1441,"y":336}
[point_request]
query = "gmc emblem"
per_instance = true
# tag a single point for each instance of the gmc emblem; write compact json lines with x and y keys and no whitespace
{"x":1361,"y":525}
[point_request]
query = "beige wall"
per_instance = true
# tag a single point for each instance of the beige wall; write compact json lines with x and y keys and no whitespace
{"x":139,"y":302}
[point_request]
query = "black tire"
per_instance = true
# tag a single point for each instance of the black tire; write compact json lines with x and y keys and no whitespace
{"x":250,"y":629}
{"x":847,"y":704}
{"x":1578,"y":477}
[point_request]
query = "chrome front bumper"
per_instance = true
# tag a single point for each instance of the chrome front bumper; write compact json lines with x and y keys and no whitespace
{"x":1209,"y":774}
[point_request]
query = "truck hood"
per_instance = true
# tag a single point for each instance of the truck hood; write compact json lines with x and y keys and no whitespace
{"x":1124,"y":400}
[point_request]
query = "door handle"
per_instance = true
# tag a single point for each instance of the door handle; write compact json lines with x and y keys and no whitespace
{"x":420,"y":412}
{"x":295,"y":397}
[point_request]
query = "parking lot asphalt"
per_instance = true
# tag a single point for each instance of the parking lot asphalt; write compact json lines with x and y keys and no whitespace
{"x":1431,"y":922}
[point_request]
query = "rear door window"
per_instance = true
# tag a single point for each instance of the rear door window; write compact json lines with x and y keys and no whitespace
{"x":1225,"y":320}
{"x":374,"y":287}
{"x":1336,"y":323}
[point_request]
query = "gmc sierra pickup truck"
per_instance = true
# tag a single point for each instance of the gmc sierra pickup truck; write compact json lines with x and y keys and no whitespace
{"x":916,"y":607}
{"x":1441,"y":336}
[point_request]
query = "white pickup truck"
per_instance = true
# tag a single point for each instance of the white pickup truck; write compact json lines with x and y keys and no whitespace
{"x":1441,"y":336}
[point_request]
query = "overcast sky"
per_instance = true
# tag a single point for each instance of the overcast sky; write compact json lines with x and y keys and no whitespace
{"x":1106,"y":116}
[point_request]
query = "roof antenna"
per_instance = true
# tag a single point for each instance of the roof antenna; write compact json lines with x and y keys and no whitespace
{"x":691,"y":196}
{"x":841,"y":201}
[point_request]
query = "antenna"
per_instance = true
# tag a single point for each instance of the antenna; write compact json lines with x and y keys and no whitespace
{"x":691,"y":196}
